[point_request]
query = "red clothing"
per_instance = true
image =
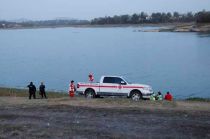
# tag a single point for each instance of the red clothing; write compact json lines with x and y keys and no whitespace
{"x":168,"y":97}
{"x":72,"y":87}
{"x":91,"y":78}
{"x":71,"y":90}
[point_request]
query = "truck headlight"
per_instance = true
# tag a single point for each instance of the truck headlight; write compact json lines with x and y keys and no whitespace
{"x":148,"y":89}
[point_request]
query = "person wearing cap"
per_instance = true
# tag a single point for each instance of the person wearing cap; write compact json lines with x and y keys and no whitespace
{"x":168,"y":97}
{"x":32,"y":90}
{"x":42,"y":90}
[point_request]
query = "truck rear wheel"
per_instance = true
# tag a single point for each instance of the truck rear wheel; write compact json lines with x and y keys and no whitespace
{"x":90,"y":93}
{"x":136,"y":95}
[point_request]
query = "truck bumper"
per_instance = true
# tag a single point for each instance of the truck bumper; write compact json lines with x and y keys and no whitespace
{"x":147,"y":96}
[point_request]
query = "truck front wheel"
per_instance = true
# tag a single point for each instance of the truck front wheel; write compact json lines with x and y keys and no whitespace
{"x":90,"y":93}
{"x":136,"y":95}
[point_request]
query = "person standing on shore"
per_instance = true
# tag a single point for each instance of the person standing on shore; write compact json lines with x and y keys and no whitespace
{"x":32,"y":90}
{"x":42,"y":90}
{"x":72,"y":89}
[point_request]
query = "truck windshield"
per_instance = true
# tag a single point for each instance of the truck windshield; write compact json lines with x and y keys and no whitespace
{"x":115,"y":80}
{"x":125,"y":79}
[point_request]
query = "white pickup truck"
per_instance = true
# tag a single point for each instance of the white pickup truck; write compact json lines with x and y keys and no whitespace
{"x":114,"y":86}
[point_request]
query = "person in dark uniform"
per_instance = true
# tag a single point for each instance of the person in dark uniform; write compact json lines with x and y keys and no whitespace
{"x":42,"y":90}
{"x":32,"y":90}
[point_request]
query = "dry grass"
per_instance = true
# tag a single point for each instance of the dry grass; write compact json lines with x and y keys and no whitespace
{"x":11,"y":97}
{"x":24,"y":93}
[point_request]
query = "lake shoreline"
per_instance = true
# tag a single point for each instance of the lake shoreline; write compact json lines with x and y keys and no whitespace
{"x":163,"y":27}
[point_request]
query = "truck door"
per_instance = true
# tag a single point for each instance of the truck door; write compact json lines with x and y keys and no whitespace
{"x":121,"y":90}
{"x":109,"y":87}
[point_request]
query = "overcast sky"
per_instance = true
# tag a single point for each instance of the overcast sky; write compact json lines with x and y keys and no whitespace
{"x":88,"y":9}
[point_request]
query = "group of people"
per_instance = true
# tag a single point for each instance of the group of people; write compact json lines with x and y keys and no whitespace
{"x":159,"y":96}
{"x":32,"y":90}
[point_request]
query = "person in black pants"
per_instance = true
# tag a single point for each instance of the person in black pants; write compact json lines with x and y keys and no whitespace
{"x":42,"y":90}
{"x":32,"y":90}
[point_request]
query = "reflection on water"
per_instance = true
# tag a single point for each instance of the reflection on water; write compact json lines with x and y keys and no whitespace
{"x":176,"y":62}
{"x":204,"y":34}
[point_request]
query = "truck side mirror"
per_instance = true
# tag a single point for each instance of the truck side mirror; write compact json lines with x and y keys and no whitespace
{"x":123,"y":83}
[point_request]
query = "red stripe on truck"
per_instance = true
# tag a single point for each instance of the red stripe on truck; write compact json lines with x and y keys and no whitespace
{"x":132,"y":87}
{"x":109,"y":86}
{"x":97,"y":86}
{"x":103,"y":86}
{"x":82,"y":85}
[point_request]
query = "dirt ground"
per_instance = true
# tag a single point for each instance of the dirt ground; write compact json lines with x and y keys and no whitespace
{"x":81,"y":118}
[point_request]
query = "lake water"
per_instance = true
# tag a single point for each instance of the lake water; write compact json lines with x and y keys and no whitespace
{"x":176,"y":62}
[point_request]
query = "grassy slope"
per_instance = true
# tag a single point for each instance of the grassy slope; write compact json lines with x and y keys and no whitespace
{"x":24,"y":93}
{"x":50,"y":94}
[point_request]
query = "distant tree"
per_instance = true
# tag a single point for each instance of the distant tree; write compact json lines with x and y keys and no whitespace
{"x":176,"y":16}
{"x":116,"y":19}
{"x":143,"y":17}
{"x":203,"y":17}
{"x":156,"y":17}
{"x":190,"y":15}
{"x":169,"y":17}
{"x":135,"y":19}
{"x":164,"y":18}
{"x":125,"y":19}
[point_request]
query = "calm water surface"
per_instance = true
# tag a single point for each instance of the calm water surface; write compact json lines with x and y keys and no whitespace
{"x":176,"y":62}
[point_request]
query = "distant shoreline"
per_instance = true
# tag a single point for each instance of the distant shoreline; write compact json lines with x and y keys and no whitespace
{"x":163,"y":27}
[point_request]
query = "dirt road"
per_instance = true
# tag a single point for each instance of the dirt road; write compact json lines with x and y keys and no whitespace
{"x":102,"y":118}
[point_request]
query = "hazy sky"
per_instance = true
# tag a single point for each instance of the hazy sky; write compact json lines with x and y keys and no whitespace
{"x":87,"y":9}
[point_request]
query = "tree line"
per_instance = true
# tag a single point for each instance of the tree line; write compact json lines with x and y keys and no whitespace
{"x":200,"y":17}
{"x":44,"y":23}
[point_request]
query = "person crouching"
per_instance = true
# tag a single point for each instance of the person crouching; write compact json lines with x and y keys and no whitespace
{"x":168,"y":97}
{"x":159,"y":96}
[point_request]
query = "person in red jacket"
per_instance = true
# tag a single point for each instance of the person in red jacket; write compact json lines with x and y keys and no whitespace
{"x":72,"y":89}
{"x":168,"y":97}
